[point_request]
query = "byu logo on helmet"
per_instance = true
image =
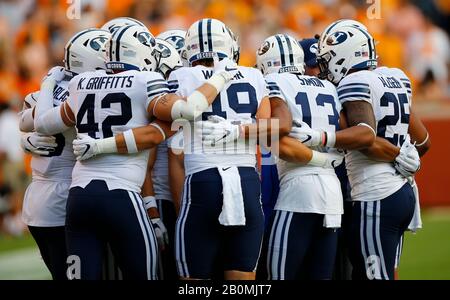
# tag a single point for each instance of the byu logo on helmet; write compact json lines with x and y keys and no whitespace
{"x":163,"y":50}
{"x":337,"y":38}
{"x":178,"y":41}
{"x":313,"y":48}
{"x":98,"y":43}
{"x":264,"y":48}
{"x":146,"y":39}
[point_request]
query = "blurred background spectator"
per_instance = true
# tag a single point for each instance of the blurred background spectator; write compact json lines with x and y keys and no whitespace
{"x":412,"y":35}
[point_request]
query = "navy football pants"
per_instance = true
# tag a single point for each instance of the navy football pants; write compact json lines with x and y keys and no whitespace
{"x":96,"y":216}
{"x":375,"y":232}
{"x":299,"y":247}
{"x":202,"y":242}
{"x":52,"y":246}
{"x":168,"y":216}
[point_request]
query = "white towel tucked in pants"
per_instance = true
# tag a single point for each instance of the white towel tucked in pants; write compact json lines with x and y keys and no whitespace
{"x":233,"y":212}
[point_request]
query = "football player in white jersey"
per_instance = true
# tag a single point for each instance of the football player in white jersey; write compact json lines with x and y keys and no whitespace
{"x":104,"y":202}
{"x":220,"y":219}
{"x":309,"y":205}
{"x":375,"y":105}
{"x":44,"y":207}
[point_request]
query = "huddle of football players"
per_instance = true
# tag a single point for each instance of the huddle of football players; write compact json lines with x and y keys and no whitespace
{"x":149,"y":145}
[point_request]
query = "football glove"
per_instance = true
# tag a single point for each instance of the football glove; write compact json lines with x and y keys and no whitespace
{"x":56,"y":74}
{"x":38,"y":144}
{"x":217,"y":130}
{"x":310,"y":137}
{"x":327,"y":160}
{"x":84,"y":147}
{"x":407,"y":162}
{"x":225,"y":68}
{"x":161,"y":232}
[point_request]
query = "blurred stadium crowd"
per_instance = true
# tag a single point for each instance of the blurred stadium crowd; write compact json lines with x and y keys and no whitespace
{"x":412,"y":35}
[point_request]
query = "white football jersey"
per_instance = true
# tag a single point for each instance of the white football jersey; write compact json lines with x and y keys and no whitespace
{"x":389,"y":93}
{"x":104,"y":106}
{"x":311,"y":100}
{"x":44,"y":202}
{"x":57,"y":165}
{"x":238,"y":102}
{"x":316,"y":103}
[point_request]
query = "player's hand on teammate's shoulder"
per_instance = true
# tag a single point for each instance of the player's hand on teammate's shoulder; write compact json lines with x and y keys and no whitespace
{"x":407,"y":162}
{"x":226,"y":67}
{"x":217,"y":130}
{"x":38,"y":144}
{"x":84,"y":147}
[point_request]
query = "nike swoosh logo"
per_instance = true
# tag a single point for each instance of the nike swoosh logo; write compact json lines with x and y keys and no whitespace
{"x":333,"y":163}
{"x":232,"y":69}
{"x":227,"y":133}
{"x":224,"y":169}
{"x":307,"y":139}
{"x":87,"y":149}
{"x":28,"y":139}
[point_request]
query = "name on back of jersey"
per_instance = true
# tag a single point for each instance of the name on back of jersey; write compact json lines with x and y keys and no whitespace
{"x":105,"y":82}
{"x":390,"y":82}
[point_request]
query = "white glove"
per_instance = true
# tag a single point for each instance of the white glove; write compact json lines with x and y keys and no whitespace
{"x":55,"y":74}
{"x":161,"y":232}
{"x":38,"y":144}
{"x":336,"y":157}
{"x":310,"y":137}
{"x":226,"y":67}
{"x":328,"y":160}
{"x":217,"y":130}
{"x":84,"y":147}
{"x":407,"y":162}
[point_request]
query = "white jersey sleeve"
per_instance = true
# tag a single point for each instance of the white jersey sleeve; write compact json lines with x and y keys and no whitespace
{"x":156,"y":86}
{"x":173,"y":82}
{"x":181,"y":82}
{"x":274,"y":90}
{"x":354,"y":87}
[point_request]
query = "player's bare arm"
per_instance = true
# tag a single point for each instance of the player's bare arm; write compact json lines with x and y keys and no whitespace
{"x":292,"y":150}
{"x":148,"y":196}
{"x":419,"y":133}
{"x":147,"y":191}
{"x":278,"y":121}
{"x":383,"y":150}
{"x":360,"y":133}
{"x":176,"y":176}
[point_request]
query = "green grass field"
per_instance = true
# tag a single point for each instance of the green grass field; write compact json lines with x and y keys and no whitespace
{"x":426,"y":255}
